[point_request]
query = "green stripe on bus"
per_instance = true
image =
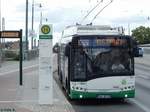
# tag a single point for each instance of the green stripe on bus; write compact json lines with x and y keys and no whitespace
{"x":76,"y":94}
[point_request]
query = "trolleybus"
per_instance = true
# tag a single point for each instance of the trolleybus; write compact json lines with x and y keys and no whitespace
{"x":96,"y":62}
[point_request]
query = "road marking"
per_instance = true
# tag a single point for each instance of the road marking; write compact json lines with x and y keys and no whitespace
{"x":142,"y":106}
{"x":16,"y":70}
{"x":143,"y":76}
{"x":25,"y":101}
{"x":11,"y":89}
{"x":19,"y":101}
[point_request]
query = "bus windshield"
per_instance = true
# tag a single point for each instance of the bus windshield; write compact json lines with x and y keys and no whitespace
{"x":101,"y":56}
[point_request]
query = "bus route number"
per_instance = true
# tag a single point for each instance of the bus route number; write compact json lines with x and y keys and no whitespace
{"x":45,"y":29}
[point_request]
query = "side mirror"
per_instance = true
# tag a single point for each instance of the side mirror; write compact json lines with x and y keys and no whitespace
{"x":56,"y":48}
{"x":67,"y":50}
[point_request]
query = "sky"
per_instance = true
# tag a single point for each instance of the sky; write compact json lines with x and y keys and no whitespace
{"x":61,"y":13}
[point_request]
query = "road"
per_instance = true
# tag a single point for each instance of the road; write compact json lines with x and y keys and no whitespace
{"x":141,"y":103}
{"x":143,"y":86}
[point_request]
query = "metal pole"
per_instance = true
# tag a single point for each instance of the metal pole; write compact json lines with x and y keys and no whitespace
{"x":128,"y":28}
{"x":3,"y":39}
{"x":26,"y":33}
{"x":41,"y":15}
{"x":0,"y":38}
{"x":32,"y":23}
{"x":41,"y":18}
{"x":21,"y":76}
{"x":0,"y":15}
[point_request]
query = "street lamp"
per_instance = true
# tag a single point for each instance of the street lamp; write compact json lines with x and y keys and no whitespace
{"x":40,"y":14}
{"x":32,"y":25}
{"x":26,"y":32}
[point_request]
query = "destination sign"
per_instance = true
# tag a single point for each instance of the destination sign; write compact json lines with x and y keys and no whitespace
{"x":10,"y":34}
{"x":102,"y":42}
{"x":113,"y":42}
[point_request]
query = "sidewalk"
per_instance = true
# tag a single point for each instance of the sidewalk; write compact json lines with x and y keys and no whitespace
{"x":14,"y":65}
{"x":27,"y":95}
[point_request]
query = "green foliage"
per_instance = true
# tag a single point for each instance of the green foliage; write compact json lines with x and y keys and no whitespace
{"x":142,"y":34}
{"x":16,"y":58}
{"x":11,"y":55}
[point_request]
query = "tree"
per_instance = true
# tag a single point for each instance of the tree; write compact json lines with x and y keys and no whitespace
{"x":142,"y":34}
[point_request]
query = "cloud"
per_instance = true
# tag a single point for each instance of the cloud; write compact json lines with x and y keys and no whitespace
{"x":61,"y":13}
{"x":130,"y":19}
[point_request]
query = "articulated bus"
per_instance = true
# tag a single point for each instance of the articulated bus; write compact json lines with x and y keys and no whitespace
{"x":96,"y":62}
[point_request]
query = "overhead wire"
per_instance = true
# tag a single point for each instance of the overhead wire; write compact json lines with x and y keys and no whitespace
{"x":91,"y":11}
{"x":101,"y":10}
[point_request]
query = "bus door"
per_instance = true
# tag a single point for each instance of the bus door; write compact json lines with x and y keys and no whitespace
{"x":67,"y":65}
{"x":78,"y":64}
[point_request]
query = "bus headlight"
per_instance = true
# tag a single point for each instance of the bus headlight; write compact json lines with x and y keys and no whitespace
{"x":81,"y":96}
{"x":126,"y":95}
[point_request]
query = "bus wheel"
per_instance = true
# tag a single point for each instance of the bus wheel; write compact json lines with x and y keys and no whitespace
{"x":67,"y":88}
{"x":120,"y":99}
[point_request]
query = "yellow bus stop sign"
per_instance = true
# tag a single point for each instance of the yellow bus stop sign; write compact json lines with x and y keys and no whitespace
{"x":45,"y":29}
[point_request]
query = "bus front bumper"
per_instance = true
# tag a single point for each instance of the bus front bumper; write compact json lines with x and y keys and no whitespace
{"x":101,"y":95}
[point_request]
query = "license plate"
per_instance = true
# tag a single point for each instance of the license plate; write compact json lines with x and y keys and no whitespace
{"x":104,"y":96}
